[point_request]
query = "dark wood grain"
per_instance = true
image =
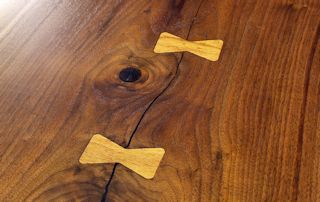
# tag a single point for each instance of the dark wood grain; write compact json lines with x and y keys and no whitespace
{"x":245,"y":128}
{"x":237,"y":129}
{"x":59,"y":85}
{"x":309,"y":171}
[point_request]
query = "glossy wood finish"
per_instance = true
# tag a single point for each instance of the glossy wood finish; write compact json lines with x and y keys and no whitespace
{"x":234,"y":130}
{"x":244,"y":128}
{"x":59,"y":85}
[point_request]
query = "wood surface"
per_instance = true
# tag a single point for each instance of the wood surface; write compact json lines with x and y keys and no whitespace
{"x":309,"y":178}
{"x":143,"y":161}
{"x":244,"y":128}
{"x":169,"y":43}
{"x":59,"y":85}
{"x":236,"y":130}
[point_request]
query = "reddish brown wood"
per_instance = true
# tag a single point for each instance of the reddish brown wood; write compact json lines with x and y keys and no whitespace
{"x":232,"y":129}
{"x":59,"y":85}
{"x":309,"y":166}
{"x":245,"y":128}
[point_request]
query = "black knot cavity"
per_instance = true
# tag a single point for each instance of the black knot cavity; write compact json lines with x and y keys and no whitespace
{"x":130,"y":74}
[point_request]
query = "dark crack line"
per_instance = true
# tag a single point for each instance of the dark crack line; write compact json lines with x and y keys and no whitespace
{"x":104,"y":196}
{"x":137,"y":126}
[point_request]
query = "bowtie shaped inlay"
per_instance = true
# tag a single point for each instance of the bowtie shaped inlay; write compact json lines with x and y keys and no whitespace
{"x":144,"y":161}
{"x":209,"y":49}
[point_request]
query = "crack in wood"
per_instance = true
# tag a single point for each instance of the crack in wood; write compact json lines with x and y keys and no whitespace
{"x":104,"y":196}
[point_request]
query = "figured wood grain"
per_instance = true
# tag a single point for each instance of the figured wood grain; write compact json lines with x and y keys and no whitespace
{"x":232,"y":129}
{"x":59,"y":84}
{"x":209,"y":49}
{"x":144,"y":161}
{"x":244,"y":128}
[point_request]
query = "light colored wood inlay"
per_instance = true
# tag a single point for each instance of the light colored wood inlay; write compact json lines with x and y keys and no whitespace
{"x":209,"y":49}
{"x":144,"y":161}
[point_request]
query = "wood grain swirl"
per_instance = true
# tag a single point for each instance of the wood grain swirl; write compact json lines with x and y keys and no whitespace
{"x":244,"y":128}
{"x":59,"y":84}
{"x":232,"y":129}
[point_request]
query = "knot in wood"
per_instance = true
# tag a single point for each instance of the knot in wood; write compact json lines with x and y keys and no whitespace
{"x":130,"y":74}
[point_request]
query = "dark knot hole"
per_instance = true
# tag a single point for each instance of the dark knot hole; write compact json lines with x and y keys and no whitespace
{"x":130,"y":74}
